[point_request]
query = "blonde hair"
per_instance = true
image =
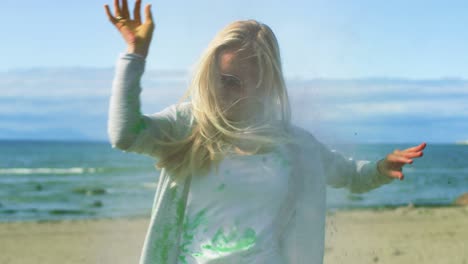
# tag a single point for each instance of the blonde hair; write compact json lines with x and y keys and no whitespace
{"x":207,"y":142}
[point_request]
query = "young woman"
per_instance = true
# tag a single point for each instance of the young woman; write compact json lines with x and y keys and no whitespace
{"x":239,"y":183}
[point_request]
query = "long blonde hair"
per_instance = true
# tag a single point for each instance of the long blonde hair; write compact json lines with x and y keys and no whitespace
{"x":207,"y":142}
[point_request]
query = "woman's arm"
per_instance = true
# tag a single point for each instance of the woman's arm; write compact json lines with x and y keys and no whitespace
{"x":358,"y":176}
{"x":340,"y":172}
{"x":125,"y":119}
{"x":128,"y":129}
{"x":361,"y":176}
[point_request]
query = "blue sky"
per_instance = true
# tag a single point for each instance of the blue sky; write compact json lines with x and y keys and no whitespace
{"x":58,"y":58}
{"x":333,"y":39}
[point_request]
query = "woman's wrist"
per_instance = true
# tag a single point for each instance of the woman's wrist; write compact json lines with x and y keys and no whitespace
{"x":378,"y":166}
{"x":137,"y":50}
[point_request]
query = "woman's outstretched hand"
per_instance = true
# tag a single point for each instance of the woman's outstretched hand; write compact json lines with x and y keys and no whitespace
{"x":136,"y":34}
{"x":393,"y":163}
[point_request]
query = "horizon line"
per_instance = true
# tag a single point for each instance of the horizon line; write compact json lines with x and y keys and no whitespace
{"x":457,"y":142}
{"x":292,"y":77}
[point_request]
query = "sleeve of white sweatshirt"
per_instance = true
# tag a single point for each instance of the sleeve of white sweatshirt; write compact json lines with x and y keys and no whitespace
{"x":359,"y":176}
{"x":128,"y":129}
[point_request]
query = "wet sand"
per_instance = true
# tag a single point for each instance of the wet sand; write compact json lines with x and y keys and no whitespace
{"x":400,"y":235}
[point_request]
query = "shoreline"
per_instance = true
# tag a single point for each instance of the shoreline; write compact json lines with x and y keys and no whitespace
{"x":330,"y":210}
{"x":405,"y":234}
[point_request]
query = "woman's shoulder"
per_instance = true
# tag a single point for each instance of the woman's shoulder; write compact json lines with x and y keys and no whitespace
{"x":302,"y":134}
{"x":176,"y":111}
{"x":184,"y":106}
{"x":183,"y":110}
{"x":305,"y":141}
{"x":184,"y":117}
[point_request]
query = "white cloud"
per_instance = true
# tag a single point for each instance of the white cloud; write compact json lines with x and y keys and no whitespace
{"x":435,"y":108}
{"x":56,"y":96}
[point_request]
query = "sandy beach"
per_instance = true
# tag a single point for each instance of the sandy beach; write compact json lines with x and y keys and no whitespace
{"x":401,"y":235}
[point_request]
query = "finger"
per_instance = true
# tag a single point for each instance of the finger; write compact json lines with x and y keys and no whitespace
{"x":109,"y":15}
{"x":136,"y":12}
{"x":398,"y":158}
{"x":409,"y":154}
{"x":117,"y":8}
{"x":417,"y":148}
{"x":148,"y":15}
{"x":396,"y":174}
{"x":125,"y":12}
{"x":398,"y":152}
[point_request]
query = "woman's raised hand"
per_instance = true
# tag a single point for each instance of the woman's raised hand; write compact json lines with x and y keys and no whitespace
{"x":393,"y":163}
{"x":135,"y":33}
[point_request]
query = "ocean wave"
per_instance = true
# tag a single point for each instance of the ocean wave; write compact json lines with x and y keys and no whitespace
{"x":74,"y":170}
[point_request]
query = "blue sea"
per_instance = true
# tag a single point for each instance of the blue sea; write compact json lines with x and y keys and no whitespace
{"x":53,"y":180}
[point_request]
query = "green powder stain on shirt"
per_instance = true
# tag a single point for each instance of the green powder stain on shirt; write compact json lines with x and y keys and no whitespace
{"x":165,"y":239}
{"x":281,"y":160}
{"x":183,"y":259}
{"x":140,"y":125}
{"x":232,"y":241}
{"x":221,"y":187}
{"x":164,"y":242}
{"x":189,"y":227}
{"x":180,"y":210}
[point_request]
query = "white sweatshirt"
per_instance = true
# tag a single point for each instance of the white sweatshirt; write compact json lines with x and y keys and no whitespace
{"x":283,"y":222}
